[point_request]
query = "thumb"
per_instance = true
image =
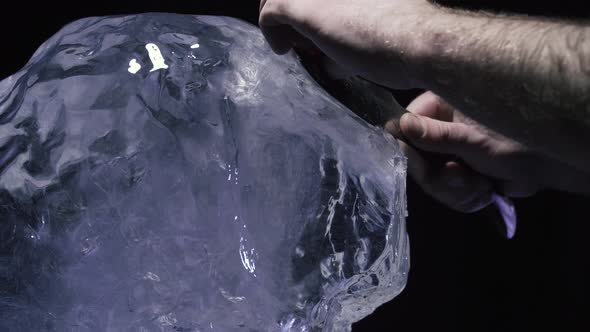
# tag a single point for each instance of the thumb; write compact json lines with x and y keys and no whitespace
{"x":437,"y":136}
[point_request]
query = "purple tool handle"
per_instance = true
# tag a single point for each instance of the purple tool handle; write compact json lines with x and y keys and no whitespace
{"x":508,"y":213}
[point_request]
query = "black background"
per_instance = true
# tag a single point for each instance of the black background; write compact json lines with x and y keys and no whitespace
{"x":464,"y":277}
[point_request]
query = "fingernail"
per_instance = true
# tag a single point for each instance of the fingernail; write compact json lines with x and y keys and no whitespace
{"x":393,"y":127}
{"x":412,"y":126}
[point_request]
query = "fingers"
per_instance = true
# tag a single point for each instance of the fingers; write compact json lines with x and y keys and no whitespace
{"x":274,"y":23}
{"x":452,"y":184}
{"x":281,"y":24}
{"x":440,"y":136}
{"x":430,"y":126}
{"x":430,"y":105}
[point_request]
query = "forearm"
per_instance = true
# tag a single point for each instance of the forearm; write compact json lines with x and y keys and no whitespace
{"x":528,"y":79}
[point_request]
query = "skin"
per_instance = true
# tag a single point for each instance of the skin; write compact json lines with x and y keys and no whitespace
{"x":522,"y":85}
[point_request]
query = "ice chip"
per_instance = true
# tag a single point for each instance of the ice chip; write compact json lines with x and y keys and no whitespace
{"x":164,"y":172}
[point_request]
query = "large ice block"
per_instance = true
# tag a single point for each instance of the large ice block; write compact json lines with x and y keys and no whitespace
{"x":164,"y":172}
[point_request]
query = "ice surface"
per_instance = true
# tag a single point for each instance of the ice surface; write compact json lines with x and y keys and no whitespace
{"x":165,"y":172}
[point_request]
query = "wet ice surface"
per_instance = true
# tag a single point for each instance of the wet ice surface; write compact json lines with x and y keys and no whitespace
{"x":164,"y":172}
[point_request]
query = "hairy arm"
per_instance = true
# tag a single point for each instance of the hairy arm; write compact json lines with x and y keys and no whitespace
{"x":526,"y":78}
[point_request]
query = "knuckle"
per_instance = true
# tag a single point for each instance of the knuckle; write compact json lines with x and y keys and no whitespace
{"x":276,"y":13}
{"x":432,"y":98}
{"x":458,"y":136}
{"x":275,"y":8}
{"x":443,"y":133}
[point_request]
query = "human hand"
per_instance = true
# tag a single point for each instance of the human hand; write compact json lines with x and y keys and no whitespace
{"x":370,"y":38}
{"x":465,"y":163}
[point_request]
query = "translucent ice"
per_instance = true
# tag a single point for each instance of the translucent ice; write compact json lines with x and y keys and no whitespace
{"x":164,"y":172}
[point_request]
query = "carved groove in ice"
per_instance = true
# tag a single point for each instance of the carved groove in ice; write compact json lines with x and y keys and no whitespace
{"x":164,"y":172}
